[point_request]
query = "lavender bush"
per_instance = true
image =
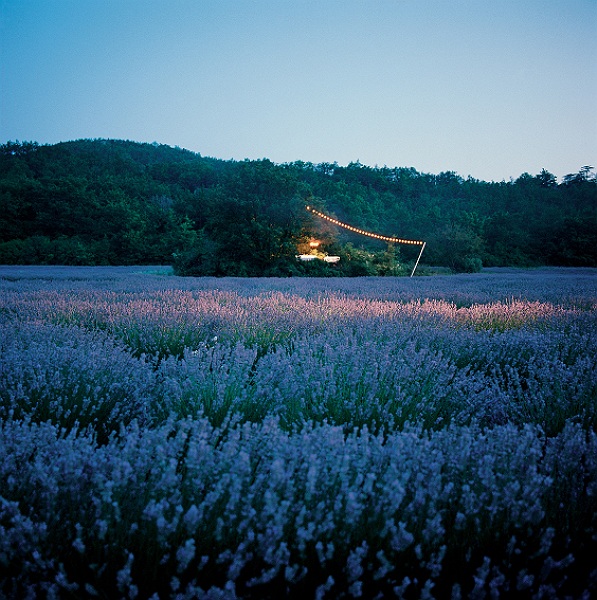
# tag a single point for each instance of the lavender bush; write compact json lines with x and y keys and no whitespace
{"x":70,"y":377}
{"x":228,"y":438}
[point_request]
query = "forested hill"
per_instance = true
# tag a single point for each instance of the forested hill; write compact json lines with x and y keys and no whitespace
{"x":119,"y":202}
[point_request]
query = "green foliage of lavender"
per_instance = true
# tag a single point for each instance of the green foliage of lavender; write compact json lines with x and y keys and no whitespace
{"x":173,"y":437}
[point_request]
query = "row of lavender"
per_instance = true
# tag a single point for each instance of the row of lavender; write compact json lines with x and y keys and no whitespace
{"x":258,"y":438}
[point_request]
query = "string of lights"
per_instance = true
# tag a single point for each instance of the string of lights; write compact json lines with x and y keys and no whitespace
{"x":376,"y":236}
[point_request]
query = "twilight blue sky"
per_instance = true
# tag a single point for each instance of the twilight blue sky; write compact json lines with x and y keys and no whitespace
{"x":487,"y":88}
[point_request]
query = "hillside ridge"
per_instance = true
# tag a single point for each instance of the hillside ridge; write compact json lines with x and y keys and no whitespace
{"x":105,"y":201}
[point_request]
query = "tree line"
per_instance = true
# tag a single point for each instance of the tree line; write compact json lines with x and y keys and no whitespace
{"x":115,"y":202}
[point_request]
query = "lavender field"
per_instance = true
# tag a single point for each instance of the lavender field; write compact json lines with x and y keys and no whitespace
{"x":165,"y":437}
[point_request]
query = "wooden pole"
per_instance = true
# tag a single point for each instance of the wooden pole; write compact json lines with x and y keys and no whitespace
{"x":418,"y":258}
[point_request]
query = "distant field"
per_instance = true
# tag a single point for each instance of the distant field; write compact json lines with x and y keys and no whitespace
{"x":426,"y":437}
